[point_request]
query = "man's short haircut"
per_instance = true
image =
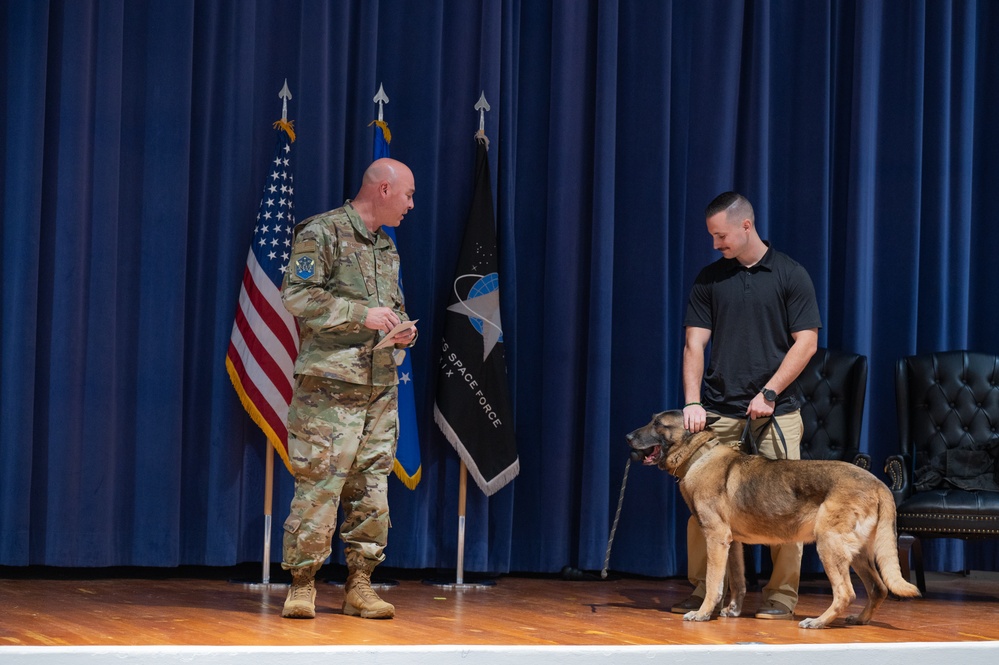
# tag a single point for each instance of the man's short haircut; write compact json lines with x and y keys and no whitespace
{"x":735,"y":205}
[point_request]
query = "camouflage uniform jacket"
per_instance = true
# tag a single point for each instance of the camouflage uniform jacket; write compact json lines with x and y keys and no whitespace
{"x":339,"y":269}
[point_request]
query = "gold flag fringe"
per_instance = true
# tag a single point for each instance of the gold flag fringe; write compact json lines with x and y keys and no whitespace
{"x":288,"y":126}
{"x":409,"y":481}
{"x":256,"y":416}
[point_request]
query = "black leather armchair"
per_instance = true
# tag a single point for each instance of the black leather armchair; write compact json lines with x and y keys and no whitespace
{"x":834,"y":385}
{"x":945,"y":476}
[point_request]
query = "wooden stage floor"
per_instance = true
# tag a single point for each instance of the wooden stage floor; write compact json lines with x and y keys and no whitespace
{"x":53,"y":607}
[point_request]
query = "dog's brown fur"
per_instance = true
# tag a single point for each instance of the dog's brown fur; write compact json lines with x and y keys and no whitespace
{"x":847,"y":512}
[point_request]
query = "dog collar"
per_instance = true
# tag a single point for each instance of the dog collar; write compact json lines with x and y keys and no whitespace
{"x":702,"y":450}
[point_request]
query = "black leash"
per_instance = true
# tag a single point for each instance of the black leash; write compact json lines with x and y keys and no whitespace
{"x":747,"y":442}
{"x":617,"y":516}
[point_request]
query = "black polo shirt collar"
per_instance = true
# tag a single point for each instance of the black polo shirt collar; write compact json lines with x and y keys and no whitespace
{"x":765,"y":263}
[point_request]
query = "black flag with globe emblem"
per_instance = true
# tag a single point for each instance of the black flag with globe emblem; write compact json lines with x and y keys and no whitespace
{"x":473,"y":403}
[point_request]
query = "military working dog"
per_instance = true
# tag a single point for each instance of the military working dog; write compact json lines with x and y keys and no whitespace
{"x":847,"y":512}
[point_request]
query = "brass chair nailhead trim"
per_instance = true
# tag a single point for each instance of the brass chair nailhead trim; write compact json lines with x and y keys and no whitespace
{"x":943,"y":533}
{"x":945,"y":516}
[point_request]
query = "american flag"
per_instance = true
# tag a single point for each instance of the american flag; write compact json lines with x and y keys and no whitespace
{"x":264,"y":341}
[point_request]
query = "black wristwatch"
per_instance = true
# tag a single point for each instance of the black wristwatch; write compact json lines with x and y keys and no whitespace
{"x":769,"y":395}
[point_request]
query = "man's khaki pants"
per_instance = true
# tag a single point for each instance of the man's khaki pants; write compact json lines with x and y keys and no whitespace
{"x":783,"y":584}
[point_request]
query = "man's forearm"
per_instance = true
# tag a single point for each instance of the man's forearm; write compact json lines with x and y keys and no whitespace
{"x":693,"y":374}
{"x":795,"y":361}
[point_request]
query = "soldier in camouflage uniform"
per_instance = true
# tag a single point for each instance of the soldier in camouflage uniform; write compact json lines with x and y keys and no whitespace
{"x":342,"y":284}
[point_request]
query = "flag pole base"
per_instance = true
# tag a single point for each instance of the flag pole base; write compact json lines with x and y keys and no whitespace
{"x":282,"y":582}
{"x":458,"y":581}
{"x":260,"y":586}
{"x":452,"y":584}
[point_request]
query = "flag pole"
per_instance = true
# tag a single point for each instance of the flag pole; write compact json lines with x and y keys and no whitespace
{"x":265,"y":573}
{"x":481,"y":106}
{"x":276,"y":329}
{"x":268,"y":505}
{"x":459,"y":577}
{"x":265,"y":576}
{"x":284,"y":96}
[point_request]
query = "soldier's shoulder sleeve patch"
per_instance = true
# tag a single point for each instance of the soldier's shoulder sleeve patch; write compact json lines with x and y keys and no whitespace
{"x":305,"y":266}
{"x":304,"y":257}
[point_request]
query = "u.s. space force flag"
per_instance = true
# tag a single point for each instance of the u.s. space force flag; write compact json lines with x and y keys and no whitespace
{"x":473,"y":403}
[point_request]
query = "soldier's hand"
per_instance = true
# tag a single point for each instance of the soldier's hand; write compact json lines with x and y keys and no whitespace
{"x":405,"y":336}
{"x":381,"y":318}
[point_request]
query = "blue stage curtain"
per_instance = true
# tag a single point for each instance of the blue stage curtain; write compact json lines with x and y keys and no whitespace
{"x":135,"y":141}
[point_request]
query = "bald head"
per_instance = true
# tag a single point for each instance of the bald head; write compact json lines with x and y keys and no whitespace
{"x":383,"y":170}
{"x":386,"y":193}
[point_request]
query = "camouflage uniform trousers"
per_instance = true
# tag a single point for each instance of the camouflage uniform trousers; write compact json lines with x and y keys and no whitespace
{"x":341,"y":444}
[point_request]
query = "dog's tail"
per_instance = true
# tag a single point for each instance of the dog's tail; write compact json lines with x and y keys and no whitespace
{"x":886,"y":549}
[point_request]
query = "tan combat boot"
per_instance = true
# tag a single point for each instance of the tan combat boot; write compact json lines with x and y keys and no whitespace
{"x":301,"y":600}
{"x":361,"y":600}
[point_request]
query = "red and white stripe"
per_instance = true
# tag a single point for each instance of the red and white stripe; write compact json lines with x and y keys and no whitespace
{"x":261,"y":355}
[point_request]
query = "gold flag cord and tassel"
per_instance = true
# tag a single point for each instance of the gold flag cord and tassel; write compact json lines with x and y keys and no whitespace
{"x":288,"y":126}
{"x":384,"y":127}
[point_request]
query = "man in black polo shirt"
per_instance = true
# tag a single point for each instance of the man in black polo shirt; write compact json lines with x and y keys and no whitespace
{"x":757,"y":308}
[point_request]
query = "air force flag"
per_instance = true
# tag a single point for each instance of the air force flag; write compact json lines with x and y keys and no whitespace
{"x":407,"y":466}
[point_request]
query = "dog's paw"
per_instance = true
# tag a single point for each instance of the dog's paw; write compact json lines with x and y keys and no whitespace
{"x":697,"y":616}
{"x":731,"y":610}
{"x":811,"y":623}
{"x":855,"y":620}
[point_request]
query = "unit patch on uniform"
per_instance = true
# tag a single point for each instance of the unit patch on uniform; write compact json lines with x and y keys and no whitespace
{"x":305,"y":267}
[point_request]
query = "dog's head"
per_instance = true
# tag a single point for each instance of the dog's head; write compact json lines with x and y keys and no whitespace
{"x":651,"y":444}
